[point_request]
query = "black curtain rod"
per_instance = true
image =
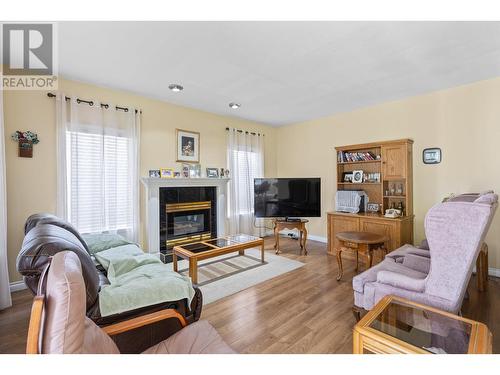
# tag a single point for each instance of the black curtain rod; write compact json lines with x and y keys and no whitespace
{"x":91,"y":103}
{"x":246,"y":132}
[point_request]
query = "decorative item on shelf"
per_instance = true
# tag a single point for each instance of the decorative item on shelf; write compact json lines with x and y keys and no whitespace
{"x":212,"y":173}
{"x":222,"y":171}
{"x":166,"y":173}
{"x":347,"y":177}
{"x":392,"y":213}
{"x":373,"y":207}
{"x":177,"y":174}
{"x":372,"y":177}
{"x":188,"y":146}
{"x":431,"y":155}
{"x":400,"y":207}
{"x":185,"y":170}
{"x":226,"y":173}
{"x":393,"y":190}
{"x":194,"y":170}
{"x":399,"y":189}
{"x":26,"y":140}
{"x":357,"y":177}
{"x":154,"y":173}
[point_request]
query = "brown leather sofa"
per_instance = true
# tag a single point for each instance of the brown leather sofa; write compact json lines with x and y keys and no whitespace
{"x":58,"y":324}
{"x":46,"y":235}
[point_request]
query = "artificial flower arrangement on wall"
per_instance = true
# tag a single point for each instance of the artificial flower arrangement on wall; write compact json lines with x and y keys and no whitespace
{"x":26,"y":141}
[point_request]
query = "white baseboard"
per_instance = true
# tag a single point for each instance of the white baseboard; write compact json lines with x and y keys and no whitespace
{"x":17,"y":286}
{"x":494,"y":272}
{"x":317,"y":238}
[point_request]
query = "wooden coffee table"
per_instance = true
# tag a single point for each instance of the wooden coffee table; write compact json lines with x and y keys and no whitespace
{"x":197,"y":251}
{"x":360,"y":242}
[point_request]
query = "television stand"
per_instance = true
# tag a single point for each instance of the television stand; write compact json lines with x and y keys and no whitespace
{"x":290,"y":223}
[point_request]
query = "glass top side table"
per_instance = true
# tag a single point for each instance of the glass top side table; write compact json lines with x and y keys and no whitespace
{"x":396,"y":325}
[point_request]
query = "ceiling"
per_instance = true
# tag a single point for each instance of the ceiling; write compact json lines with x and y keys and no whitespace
{"x":280,"y":72}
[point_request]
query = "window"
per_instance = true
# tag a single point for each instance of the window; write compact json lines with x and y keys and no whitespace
{"x":99,"y":182}
{"x":248,"y":168}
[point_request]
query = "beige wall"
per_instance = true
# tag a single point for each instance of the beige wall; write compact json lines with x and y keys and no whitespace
{"x":31,"y":183}
{"x":464,"y":122}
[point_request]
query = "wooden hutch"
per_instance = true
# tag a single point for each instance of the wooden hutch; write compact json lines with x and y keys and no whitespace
{"x":388,"y":181}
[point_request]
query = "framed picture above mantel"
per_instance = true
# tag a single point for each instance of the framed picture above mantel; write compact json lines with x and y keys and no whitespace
{"x":188,"y":146}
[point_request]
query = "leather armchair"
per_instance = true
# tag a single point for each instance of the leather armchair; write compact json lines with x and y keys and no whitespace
{"x":47,"y":235}
{"x":437,"y":277}
{"x":58,"y":324}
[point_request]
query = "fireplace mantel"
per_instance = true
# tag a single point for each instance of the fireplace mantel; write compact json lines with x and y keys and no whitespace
{"x":153,"y":186}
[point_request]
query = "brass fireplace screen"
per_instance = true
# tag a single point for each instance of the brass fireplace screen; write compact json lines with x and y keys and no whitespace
{"x":188,"y":222}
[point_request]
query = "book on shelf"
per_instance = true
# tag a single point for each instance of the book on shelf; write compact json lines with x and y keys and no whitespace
{"x":349,"y":157}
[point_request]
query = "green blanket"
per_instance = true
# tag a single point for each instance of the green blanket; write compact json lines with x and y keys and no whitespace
{"x":138,"y":280}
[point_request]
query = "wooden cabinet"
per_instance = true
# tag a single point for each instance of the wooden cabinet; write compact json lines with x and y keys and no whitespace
{"x":394,"y":161}
{"x":399,"y":231}
{"x":388,"y":169}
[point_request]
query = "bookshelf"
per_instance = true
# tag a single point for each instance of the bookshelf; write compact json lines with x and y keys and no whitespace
{"x":391,"y":163}
{"x":387,"y":170}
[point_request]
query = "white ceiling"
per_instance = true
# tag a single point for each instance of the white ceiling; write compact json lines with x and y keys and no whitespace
{"x":280,"y":72}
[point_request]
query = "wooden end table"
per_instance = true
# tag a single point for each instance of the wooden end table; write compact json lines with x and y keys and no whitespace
{"x":360,"y":242}
{"x":197,"y":251}
{"x":279,"y":225}
{"x":399,"y":326}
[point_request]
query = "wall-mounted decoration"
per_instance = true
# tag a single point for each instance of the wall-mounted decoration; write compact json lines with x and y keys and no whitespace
{"x":166,"y":173}
{"x":26,"y":140}
{"x":431,"y":155}
{"x":154,"y":173}
{"x":188,"y":146}
{"x":212,"y":173}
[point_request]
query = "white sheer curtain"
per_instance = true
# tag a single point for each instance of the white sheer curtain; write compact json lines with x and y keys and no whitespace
{"x":245,"y":161}
{"x":98,"y":167}
{"x":5,"y":300}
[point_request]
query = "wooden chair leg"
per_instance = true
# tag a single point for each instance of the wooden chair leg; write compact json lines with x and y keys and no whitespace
{"x":480,"y":272}
{"x":339,"y":262}
{"x":357,"y":311}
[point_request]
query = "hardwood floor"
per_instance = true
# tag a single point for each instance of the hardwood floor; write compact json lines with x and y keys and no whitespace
{"x":303,"y":311}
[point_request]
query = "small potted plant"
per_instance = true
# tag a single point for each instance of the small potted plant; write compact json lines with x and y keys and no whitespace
{"x":26,"y":141}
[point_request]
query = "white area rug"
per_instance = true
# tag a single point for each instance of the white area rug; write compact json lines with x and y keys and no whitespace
{"x":228,"y":274}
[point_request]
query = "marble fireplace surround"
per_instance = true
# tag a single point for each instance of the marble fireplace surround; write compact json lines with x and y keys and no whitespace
{"x":153,"y":185}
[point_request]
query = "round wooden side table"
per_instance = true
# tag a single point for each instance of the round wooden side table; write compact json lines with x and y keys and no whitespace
{"x":364,"y":242}
{"x":279,"y":225}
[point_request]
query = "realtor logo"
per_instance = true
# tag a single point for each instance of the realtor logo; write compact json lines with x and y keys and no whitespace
{"x":28,"y":56}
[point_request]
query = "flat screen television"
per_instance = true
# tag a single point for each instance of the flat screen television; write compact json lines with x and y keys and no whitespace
{"x":287,"y":197}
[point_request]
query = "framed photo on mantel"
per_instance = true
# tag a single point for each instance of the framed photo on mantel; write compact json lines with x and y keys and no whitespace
{"x":188,"y":146}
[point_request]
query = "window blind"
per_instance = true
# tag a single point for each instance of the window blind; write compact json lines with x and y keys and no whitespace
{"x":248,"y":169}
{"x":99,"y":182}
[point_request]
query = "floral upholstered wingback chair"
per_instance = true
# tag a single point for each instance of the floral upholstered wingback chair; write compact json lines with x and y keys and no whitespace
{"x":455,"y":230}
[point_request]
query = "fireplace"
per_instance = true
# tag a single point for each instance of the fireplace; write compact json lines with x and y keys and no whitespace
{"x":187,"y":214}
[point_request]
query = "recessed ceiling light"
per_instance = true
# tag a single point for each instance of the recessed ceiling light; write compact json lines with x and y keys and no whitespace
{"x":175,"y":87}
{"x":234,"y":105}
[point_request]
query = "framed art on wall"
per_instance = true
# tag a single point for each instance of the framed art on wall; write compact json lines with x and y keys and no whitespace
{"x":188,"y":146}
{"x":431,"y":155}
